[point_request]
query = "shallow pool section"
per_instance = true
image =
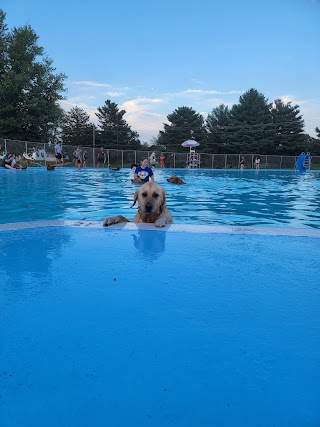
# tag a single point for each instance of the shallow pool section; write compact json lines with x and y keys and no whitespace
{"x":144,"y":327}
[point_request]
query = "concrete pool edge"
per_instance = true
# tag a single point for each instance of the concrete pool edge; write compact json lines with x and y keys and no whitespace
{"x":194,"y":228}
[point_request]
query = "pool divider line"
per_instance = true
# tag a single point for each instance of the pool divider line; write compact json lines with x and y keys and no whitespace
{"x":186,"y":228}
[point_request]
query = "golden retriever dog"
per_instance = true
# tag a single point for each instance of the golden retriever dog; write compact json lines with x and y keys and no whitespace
{"x":137,"y":180}
{"x":176,"y":180}
{"x":152,"y":207}
{"x":51,"y":167}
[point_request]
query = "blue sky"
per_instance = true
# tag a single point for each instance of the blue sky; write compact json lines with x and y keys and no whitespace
{"x":151,"y":57}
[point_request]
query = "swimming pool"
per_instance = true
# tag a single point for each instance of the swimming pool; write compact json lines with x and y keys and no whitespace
{"x":211,"y":197}
{"x":212,"y":321}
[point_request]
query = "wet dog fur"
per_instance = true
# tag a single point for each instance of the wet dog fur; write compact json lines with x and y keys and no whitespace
{"x":176,"y":180}
{"x":152,"y":209}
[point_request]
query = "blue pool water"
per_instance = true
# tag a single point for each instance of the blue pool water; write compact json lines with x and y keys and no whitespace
{"x":130,"y":327}
{"x":212,"y":324}
{"x":211,"y":197}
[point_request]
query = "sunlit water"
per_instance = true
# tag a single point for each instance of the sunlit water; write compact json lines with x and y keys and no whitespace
{"x":214,"y":197}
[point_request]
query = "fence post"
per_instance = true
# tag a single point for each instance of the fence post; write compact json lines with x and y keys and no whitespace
{"x":122,"y":158}
{"x":45,"y":154}
{"x":174,"y":160}
{"x":212,"y":161}
{"x":5,"y":146}
{"x":26,"y":147}
{"x":280,"y":162}
{"x":225,"y":161}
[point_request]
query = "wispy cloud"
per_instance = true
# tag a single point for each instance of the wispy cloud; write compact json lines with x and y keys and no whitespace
{"x":212,"y":92}
{"x":88,"y":83}
{"x":115,"y":94}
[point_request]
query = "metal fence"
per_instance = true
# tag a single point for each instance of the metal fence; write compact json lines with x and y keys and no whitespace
{"x":39,"y":154}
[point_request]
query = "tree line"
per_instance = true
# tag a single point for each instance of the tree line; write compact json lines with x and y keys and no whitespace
{"x":31,"y":89}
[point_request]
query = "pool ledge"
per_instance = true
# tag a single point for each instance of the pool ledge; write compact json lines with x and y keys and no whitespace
{"x":190,"y":228}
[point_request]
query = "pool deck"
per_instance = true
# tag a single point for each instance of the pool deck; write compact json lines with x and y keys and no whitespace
{"x":136,"y":326}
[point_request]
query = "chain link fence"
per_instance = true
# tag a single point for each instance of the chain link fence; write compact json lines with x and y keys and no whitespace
{"x":38,"y":154}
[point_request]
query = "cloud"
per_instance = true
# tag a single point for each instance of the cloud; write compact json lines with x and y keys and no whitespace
{"x":88,"y":83}
{"x":212,"y":92}
{"x":141,"y":104}
{"x":115,"y":94}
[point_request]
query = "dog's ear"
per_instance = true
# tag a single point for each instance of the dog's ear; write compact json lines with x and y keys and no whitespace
{"x":163,"y":202}
{"x":135,"y":198}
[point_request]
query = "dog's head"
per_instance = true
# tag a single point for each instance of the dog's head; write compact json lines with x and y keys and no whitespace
{"x":151,"y":198}
{"x":175,"y":180}
{"x":137,"y":180}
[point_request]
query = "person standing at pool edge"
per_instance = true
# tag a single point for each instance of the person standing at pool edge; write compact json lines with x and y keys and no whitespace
{"x":101,"y":158}
{"x":153,"y":160}
{"x":58,"y":152}
{"x":162,"y":159}
{"x":144,"y":172}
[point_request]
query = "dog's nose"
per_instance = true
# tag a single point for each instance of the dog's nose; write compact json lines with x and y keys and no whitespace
{"x":148,"y":207}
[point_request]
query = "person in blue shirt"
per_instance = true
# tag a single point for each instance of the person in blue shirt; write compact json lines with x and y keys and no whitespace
{"x":144,"y":172}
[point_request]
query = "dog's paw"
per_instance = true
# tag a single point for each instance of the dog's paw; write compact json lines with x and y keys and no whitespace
{"x":160,"y":222}
{"x":114,"y":220}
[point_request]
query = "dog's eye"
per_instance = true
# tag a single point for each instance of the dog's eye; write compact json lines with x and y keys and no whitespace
{"x":144,"y":194}
{"x":155,"y":195}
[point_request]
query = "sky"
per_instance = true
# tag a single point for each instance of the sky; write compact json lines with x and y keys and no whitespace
{"x":151,"y":57}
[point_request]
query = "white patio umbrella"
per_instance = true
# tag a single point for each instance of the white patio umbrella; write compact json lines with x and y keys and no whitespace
{"x":190,"y":143}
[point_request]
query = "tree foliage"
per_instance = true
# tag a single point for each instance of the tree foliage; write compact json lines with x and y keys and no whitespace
{"x":288,"y":124}
{"x":217,"y":124}
{"x":113,"y":130}
{"x":29,"y":87}
{"x":77,"y":129}
{"x":185,"y":123}
{"x":253,"y":125}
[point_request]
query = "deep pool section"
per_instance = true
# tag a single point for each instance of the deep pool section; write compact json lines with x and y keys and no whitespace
{"x":117,"y":327}
{"x":264,"y":198}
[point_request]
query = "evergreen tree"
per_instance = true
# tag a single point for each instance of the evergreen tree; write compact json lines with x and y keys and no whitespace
{"x":252,"y":130}
{"x":114,"y":130}
{"x":185,"y":124}
{"x":217,"y":124}
{"x":29,"y":88}
{"x":289,"y":124}
{"x":77,"y":129}
{"x":318,"y":132}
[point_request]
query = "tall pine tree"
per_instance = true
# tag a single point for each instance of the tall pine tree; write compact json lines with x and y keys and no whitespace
{"x":289,"y":124}
{"x":114,"y":131}
{"x":77,"y":129}
{"x":185,"y":124}
{"x":252,"y":130}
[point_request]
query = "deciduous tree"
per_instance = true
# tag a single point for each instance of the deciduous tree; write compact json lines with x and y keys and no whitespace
{"x":29,"y":87}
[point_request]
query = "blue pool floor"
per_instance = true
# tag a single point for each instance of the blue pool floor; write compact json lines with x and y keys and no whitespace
{"x":131,"y":327}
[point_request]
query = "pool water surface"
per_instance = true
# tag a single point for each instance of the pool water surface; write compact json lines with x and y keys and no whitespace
{"x":212,"y":321}
{"x":131,"y":327}
{"x":211,"y":197}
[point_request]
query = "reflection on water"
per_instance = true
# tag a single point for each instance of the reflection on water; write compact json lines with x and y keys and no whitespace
{"x":149,"y":244}
{"x":26,"y":256}
{"x":215,"y":197}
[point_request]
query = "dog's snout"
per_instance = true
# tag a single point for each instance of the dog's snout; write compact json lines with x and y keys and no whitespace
{"x":148,"y":207}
